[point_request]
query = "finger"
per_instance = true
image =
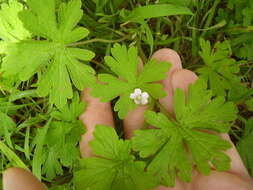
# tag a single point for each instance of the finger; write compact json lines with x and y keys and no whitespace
{"x":182,"y":79}
{"x":171,"y":56}
{"x":135,"y":118}
{"x":237,"y":166}
{"x":221,"y":180}
{"x":96,"y":113}
{"x":20,"y":179}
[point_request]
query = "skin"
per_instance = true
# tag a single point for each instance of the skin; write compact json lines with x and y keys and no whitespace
{"x":237,"y":178}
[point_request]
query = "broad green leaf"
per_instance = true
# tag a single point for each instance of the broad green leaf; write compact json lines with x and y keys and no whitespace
{"x":124,"y":63}
{"x":11,"y":28}
{"x":58,"y":66}
{"x":178,"y":2}
{"x":114,"y":168}
{"x":153,"y":11}
{"x":196,"y":114}
{"x":220,"y":70}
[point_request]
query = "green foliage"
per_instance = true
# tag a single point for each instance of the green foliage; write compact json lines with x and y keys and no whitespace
{"x":124,"y":63}
{"x":12,"y":29}
{"x":7,"y":126}
{"x":43,"y":61}
{"x":195,"y":114}
{"x":240,"y":18}
{"x":179,"y":2}
{"x":55,"y":63}
{"x":114,"y":167}
{"x":220,"y":69}
{"x":58,"y":141}
{"x":153,"y":11}
{"x":250,"y":104}
{"x":245,"y":145}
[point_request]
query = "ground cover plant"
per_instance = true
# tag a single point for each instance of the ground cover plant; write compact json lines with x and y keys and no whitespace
{"x":51,"y":50}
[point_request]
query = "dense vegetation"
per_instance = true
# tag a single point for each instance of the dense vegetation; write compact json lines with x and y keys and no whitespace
{"x":52,"y":49}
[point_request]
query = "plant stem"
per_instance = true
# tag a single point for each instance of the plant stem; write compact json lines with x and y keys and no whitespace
{"x":98,"y":40}
{"x":211,"y":15}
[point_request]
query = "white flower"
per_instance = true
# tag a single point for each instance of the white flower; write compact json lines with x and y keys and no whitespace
{"x":139,"y":97}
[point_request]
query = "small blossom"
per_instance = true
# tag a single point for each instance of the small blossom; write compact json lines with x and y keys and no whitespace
{"x":139,"y":97}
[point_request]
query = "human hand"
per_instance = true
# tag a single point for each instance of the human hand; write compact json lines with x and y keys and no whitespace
{"x":236,"y":178}
{"x":101,"y":113}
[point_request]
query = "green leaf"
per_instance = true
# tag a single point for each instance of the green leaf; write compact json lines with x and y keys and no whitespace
{"x":114,"y":168}
{"x":124,"y":63}
{"x":52,"y":166}
{"x":7,"y":126}
{"x":38,"y":152}
{"x":60,"y":142}
{"x":178,"y":2}
{"x":12,"y":29}
{"x":220,"y":70}
{"x":196,"y":114}
{"x":154,"y":11}
{"x":242,"y":45}
{"x":70,"y":112}
{"x":12,"y":157}
{"x":100,"y":5}
{"x":58,"y":66}
{"x":250,"y":104}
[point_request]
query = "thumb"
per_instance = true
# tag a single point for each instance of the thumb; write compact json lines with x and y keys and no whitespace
{"x":20,"y":179}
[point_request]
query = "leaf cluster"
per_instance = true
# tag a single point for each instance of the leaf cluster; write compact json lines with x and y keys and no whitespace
{"x":171,"y":148}
{"x":60,"y":139}
{"x":221,"y":71}
{"x":56,"y":64}
{"x":126,"y":65}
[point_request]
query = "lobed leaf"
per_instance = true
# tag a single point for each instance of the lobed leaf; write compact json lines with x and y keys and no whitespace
{"x":114,"y":168}
{"x":125,"y":64}
{"x":175,"y":146}
{"x":57,"y":65}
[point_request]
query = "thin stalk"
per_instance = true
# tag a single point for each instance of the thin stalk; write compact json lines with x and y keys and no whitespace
{"x":210,"y":17}
{"x":98,"y":40}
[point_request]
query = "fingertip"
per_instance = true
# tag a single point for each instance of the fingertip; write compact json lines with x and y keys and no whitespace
{"x":21,"y":179}
{"x":170,"y":56}
{"x":173,"y":58}
{"x":182,"y":79}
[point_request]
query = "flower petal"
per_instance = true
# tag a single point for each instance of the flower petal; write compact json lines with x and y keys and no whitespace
{"x":137,"y":91}
{"x":145,"y":95}
{"x":132,"y":96}
{"x":144,"y":101}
